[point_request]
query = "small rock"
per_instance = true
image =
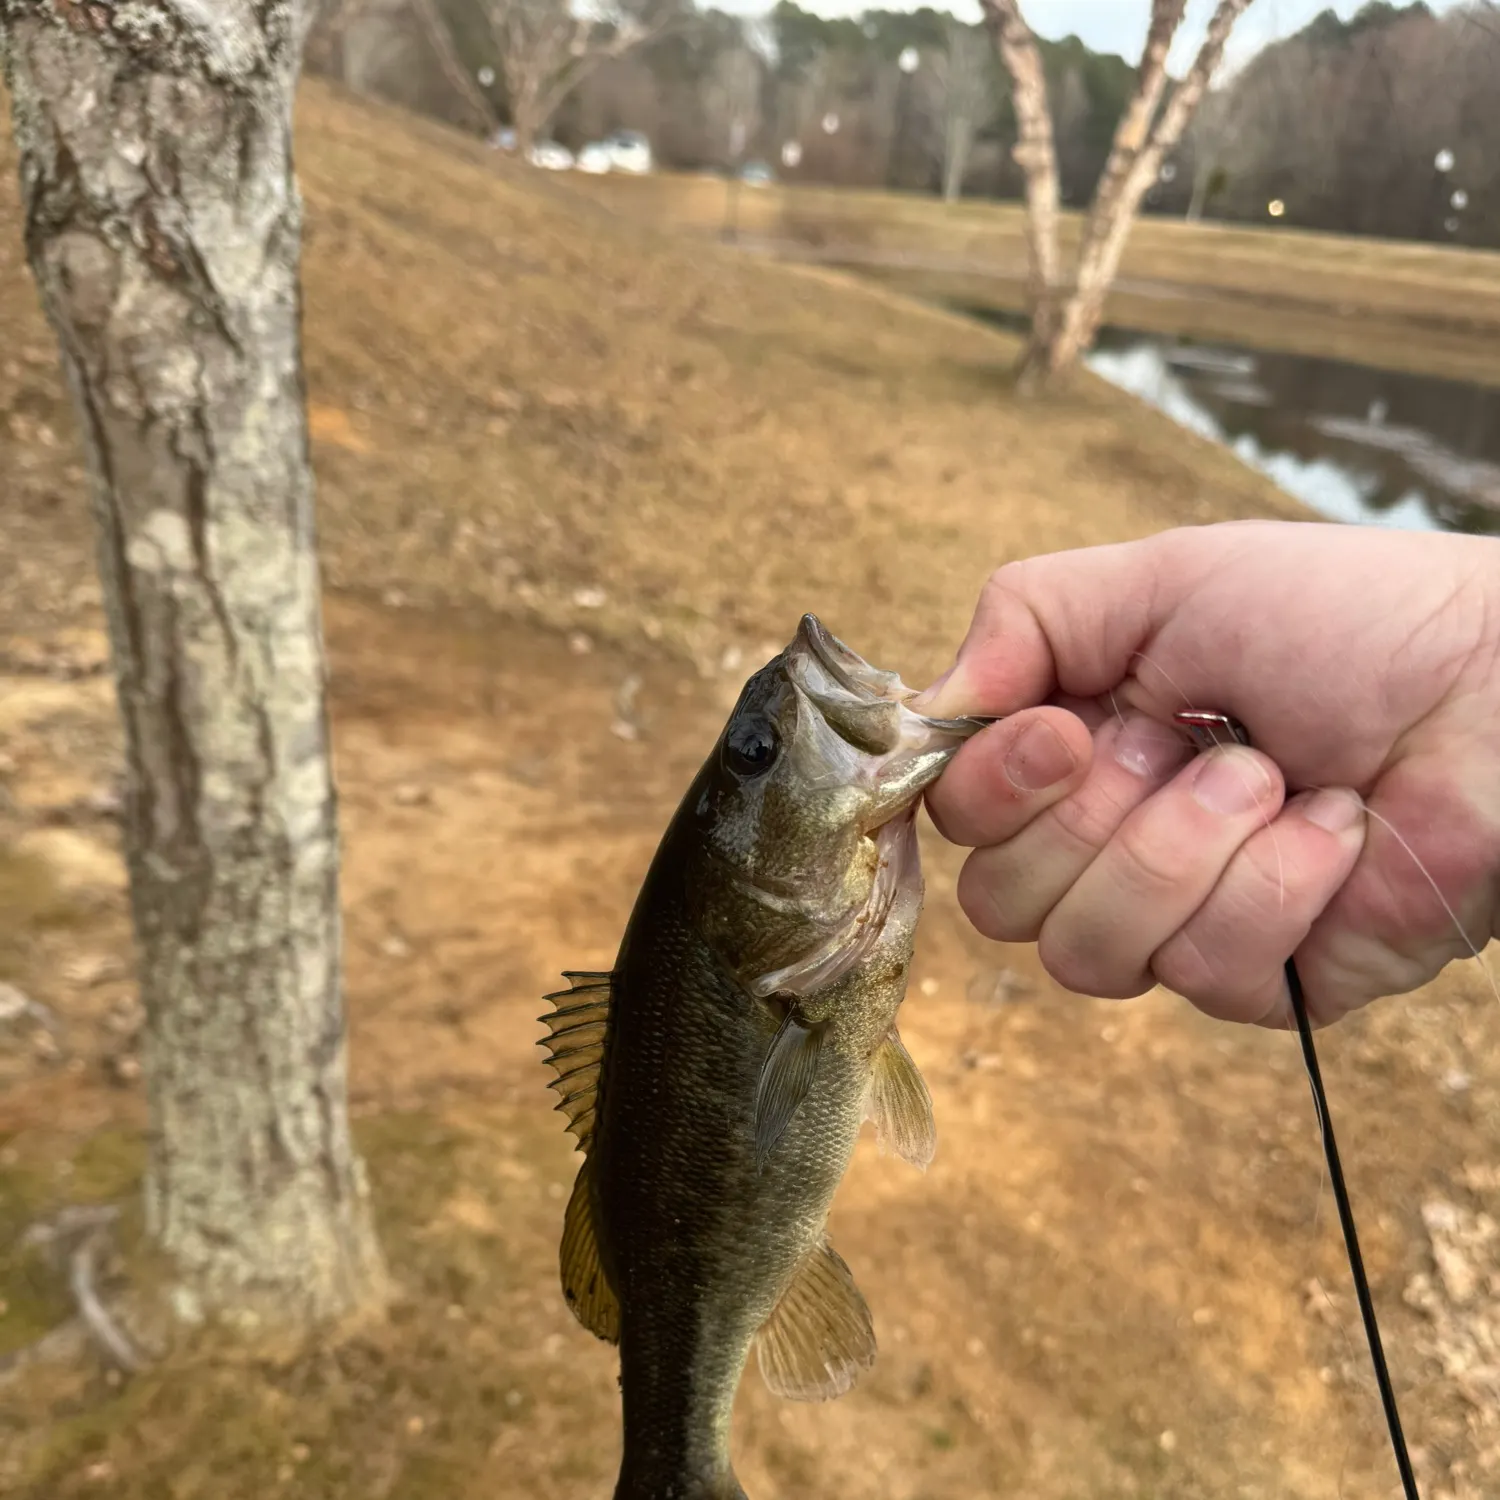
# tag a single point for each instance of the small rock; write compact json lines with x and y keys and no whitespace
{"x":393,"y":945}
{"x":590,"y":597}
{"x":513,"y":1398}
{"x":623,"y":730}
{"x":1167,"y":1442}
{"x":8,"y":764}
{"x":125,"y":1017}
{"x":88,"y":969}
{"x":105,"y":801}
{"x":1455,"y":1081}
{"x":14,"y":1005}
{"x":454,"y":1313}
{"x":1202,"y":1316}
{"x":999,"y":987}
{"x":410,"y":794}
{"x":579,"y":644}
{"x":300,"y":1453}
{"x":123,"y":1069}
{"x":1110,"y":1034}
{"x":652,"y":628}
{"x":730,"y":659}
{"x":975,"y":1347}
{"x":393,"y":599}
{"x":46,"y":1046}
{"x":415,"y":1425}
{"x":929,"y":987}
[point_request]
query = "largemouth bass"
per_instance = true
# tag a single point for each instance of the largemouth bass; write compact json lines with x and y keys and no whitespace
{"x":718,"y":1076}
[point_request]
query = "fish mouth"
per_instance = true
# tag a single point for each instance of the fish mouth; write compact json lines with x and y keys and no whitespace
{"x":853,"y":675}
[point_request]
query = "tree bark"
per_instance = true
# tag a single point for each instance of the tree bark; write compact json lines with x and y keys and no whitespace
{"x":163,"y":226}
{"x":1036,"y":156}
{"x":1063,"y":327}
{"x":1110,"y":220}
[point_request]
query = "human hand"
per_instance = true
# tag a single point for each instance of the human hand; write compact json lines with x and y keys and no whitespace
{"x":1365,"y":665}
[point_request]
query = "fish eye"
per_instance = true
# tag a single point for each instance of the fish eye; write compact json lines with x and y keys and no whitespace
{"x":751,"y":747}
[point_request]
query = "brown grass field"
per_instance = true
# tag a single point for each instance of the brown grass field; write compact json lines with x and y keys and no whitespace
{"x":1429,"y":309}
{"x":572,"y":466}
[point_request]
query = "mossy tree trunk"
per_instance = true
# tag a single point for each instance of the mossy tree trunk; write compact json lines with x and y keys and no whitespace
{"x":163,"y":226}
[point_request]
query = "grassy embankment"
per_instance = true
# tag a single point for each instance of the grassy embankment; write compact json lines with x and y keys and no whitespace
{"x":571,"y":468}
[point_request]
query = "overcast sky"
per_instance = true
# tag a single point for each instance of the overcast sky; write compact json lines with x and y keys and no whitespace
{"x":1117,"y":25}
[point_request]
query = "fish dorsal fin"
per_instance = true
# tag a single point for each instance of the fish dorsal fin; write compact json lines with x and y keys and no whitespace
{"x":585,"y":1288}
{"x":786,"y":1076}
{"x":899,"y":1104}
{"x":576,"y":1046}
{"x":820,"y":1336}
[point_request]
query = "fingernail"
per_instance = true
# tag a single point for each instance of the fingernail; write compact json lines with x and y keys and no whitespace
{"x":1335,"y":808}
{"x":1230,"y":781}
{"x":1040,"y":758}
{"x":1148,"y":749}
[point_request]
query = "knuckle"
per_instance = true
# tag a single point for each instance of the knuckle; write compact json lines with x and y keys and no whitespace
{"x":993,"y":908}
{"x":1189,"y":970}
{"x":1150,"y":862}
{"x":1086,"y":820}
{"x":1078,"y":967}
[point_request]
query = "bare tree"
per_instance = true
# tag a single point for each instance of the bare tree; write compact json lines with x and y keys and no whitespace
{"x":965,"y":101}
{"x":732,"y":100}
{"x":1065,"y":318}
{"x":732,"y":104}
{"x":163,"y":226}
{"x":545,"y":48}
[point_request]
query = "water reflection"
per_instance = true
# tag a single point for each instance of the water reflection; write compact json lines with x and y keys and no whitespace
{"x":1353,"y":443}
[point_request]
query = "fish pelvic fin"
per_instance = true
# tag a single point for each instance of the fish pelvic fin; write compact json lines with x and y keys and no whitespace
{"x":899,"y":1104}
{"x":585,"y":1287}
{"x":786,"y":1077}
{"x":575,"y":1048}
{"x":820,"y":1337}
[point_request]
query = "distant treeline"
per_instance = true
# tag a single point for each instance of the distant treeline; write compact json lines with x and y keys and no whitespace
{"x":1385,"y":124}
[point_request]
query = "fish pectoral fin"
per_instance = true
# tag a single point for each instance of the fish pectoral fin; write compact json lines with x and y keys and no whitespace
{"x":786,"y":1076}
{"x":820,"y":1336}
{"x":586,"y":1289}
{"x":899,"y":1104}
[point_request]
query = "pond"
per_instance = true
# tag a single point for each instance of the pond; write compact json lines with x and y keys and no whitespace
{"x":1351,"y":442}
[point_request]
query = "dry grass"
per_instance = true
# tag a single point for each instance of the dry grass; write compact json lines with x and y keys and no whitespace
{"x":1428,"y":308}
{"x":518,"y":396}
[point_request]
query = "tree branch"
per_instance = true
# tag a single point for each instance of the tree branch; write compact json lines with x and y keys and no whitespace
{"x":441,"y":41}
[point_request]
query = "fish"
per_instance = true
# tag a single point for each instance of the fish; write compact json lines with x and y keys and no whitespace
{"x":718,"y":1076}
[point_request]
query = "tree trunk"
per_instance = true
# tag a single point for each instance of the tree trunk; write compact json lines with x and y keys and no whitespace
{"x":960,"y":136}
{"x":1062,"y":329}
{"x":163,"y":226}
{"x":1110,"y":220}
{"x":1037,"y":158}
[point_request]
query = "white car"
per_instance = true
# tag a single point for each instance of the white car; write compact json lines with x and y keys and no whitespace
{"x":596,"y":158}
{"x":630,"y":151}
{"x":551,"y":157}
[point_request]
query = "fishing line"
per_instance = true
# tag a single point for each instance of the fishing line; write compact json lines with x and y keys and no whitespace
{"x":1204,"y":728}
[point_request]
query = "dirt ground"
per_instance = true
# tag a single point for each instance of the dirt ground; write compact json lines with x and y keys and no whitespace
{"x":575,"y":482}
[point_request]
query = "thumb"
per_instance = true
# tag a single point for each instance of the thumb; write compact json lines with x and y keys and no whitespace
{"x":1068,"y":621}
